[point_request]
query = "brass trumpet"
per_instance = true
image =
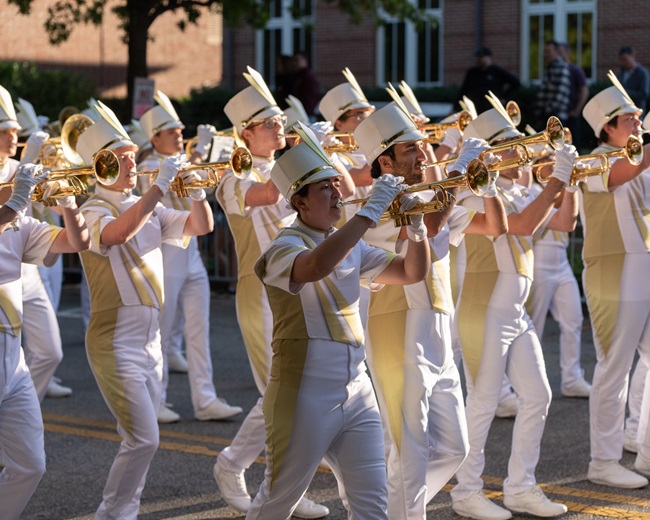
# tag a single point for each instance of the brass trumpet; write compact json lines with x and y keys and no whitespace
{"x":105,"y":168}
{"x":477,"y":179}
{"x":633,"y":152}
{"x":340,"y":147}
{"x":436,"y":131}
{"x":512,"y":108}
{"x":190,"y":144}
{"x":241,"y":163}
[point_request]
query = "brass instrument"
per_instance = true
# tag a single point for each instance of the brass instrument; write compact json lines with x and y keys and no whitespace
{"x":241,"y":163}
{"x":105,"y":168}
{"x":190,"y":144}
{"x":512,"y":108}
{"x":544,"y":150}
{"x":436,"y":131}
{"x":339,"y":147}
{"x":477,"y":179}
{"x":633,"y":152}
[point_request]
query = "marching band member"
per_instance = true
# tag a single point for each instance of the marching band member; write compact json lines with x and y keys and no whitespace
{"x":187,"y":288}
{"x":408,"y":331}
{"x":124,"y":269}
{"x":613,"y":209}
{"x":255,"y":213}
{"x":555,"y":288}
{"x":319,"y":401}
{"x":24,"y":239}
{"x":344,"y":107}
{"x":497,"y":336}
{"x":41,"y":336}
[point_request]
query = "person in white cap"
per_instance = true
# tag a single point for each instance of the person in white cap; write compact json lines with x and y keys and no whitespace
{"x":24,"y":239}
{"x":319,"y":402}
{"x":187,"y":288}
{"x":124,"y":269}
{"x":408,"y":330}
{"x":344,"y":107}
{"x":255,"y":212}
{"x":613,"y":210}
{"x":496,"y":334}
{"x":41,"y":335}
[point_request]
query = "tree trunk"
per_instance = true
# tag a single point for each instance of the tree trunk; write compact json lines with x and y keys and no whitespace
{"x":137,"y":33}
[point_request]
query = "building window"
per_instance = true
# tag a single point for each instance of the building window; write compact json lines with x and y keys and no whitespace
{"x":411,"y":54}
{"x":289,"y":30}
{"x":571,"y":21}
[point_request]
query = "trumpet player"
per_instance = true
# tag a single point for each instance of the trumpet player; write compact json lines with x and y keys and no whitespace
{"x":41,"y":335}
{"x":408,"y":330}
{"x":255,"y":213}
{"x":124,"y":269}
{"x":186,"y":313}
{"x":24,"y":239}
{"x":613,"y":210}
{"x":497,"y":336}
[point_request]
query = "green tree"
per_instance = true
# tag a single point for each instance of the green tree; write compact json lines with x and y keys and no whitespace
{"x":137,"y":16}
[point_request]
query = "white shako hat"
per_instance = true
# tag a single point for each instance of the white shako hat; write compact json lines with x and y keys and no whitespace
{"x":382,"y":129}
{"x":137,"y":134}
{"x":493,"y":124}
{"x":160,"y":117}
{"x":107,"y":133}
{"x":296,"y":112}
{"x":607,"y":104}
{"x":8,"y":118}
{"x":343,"y":97}
{"x":303,"y":164}
{"x":27,"y":118}
{"x":251,"y":104}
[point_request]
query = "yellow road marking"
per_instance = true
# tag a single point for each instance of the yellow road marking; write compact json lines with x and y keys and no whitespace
{"x":598,"y":510}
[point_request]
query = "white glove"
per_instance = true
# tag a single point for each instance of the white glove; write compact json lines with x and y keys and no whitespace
{"x":204,"y":133}
{"x":321,"y":129}
{"x":33,"y":147}
{"x":168,"y":170}
{"x":383,"y":192}
{"x":489,"y":159}
{"x":470,"y":149}
{"x":51,"y":188}
{"x":564,"y":160}
{"x":452,"y":138}
{"x":27,"y":176}
{"x":188,"y":177}
{"x":416,"y":230}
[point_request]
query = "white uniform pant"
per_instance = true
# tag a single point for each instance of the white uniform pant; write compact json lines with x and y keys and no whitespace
{"x":432,"y":419}
{"x":41,"y":334}
{"x":22,"y":451}
{"x":187,"y":301}
{"x":635,"y":397}
{"x":510,"y":345}
{"x":348,"y":436}
{"x":123,"y":347}
{"x":611,"y":374}
{"x":52,"y":278}
{"x":256,"y":323}
{"x":555,"y":288}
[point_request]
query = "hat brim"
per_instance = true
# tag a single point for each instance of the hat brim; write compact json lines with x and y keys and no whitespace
{"x":411,"y":135}
{"x":327,"y":173}
{"x":170,"y":125}
{"x":508,"y":134}
{"x":355,"y":105}
{"x":266,"y":113}
{"x":10,"y":124}
{"x":628,"y":109}
{"x":123,"y":144}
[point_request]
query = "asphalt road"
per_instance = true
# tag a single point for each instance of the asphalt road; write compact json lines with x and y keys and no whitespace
{"x":81,"y":442}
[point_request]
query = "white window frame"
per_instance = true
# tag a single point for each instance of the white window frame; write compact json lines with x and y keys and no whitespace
{"x":560,"y":9}
{"x":286,"y":24}
{"x":411,"y":50}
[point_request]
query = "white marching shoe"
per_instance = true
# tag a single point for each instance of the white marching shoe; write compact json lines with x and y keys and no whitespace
{"x":54,"y":389}
{"x":480,"y":507}
{"x":167,"y":416}
{"x":309,"y":509}
{"x":580,"y":389}
{"x":614,"y":475}
{"x":217,"y":410}
{"x":232,"y":487}
{"x":508,"y":407}
{"x":534,"y":502}
{"x":176,"y":362}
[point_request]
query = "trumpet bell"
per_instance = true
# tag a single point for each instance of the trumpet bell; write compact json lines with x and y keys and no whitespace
{"x":512,"y":108}
{"x":106,"y":167}
{"x":555,"y":130}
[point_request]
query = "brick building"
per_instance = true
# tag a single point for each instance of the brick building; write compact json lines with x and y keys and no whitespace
{"x":209,"y":54}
